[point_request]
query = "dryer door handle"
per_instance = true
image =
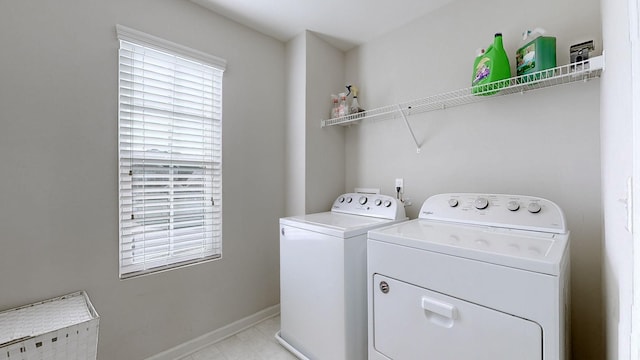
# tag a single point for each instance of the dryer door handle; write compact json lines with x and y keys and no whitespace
{"x":438,"y":307}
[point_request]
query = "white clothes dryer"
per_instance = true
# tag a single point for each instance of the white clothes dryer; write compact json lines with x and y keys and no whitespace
{"x":323,"y":276}
{"x":476,"y":276}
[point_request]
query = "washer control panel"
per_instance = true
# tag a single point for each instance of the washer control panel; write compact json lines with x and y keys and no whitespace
{"x":507,"y":211}
{"x":374,"y":205}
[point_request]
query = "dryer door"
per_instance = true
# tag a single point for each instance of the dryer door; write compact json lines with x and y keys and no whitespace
{"x":415,"y":323}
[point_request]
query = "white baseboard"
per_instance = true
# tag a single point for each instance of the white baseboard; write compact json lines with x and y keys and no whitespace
{"x":214,"y":336}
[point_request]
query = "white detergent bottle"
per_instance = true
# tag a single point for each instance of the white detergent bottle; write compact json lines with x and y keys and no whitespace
{"x":343,"y":108}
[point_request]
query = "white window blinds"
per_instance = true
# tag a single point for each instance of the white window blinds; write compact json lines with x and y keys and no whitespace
{"x":170,"y":114}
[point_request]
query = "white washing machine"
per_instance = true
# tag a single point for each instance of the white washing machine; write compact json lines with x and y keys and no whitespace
{"x":476,"y":276}
{"x":323,"y":276}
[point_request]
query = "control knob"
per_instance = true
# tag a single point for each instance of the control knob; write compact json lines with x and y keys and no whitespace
{"x":349,"y":200}
{"x":453,"y":202}
{"x":378,"y":202}
{"x":341,"y":199}
{"x":513,"y":206}
{"x":534,"y":208}
{"x":387,"y":203}
{"x":481,"y":203}
{"x":362,"y":200}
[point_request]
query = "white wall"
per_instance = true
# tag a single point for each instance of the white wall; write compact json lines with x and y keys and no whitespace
{"x":617,"y":161}
{"x":295,"y":151}
{"x":544,"y":143}
{"x":315,"y":156}
{"x":58,"y":189}
{"x":325,"y":173}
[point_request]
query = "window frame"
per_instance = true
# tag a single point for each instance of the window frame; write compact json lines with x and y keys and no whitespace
{"x":129,"y":268}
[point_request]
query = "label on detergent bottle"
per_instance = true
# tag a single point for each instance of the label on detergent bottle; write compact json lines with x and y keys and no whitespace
{"x":526,"y":58}
{"x":482,"y":70}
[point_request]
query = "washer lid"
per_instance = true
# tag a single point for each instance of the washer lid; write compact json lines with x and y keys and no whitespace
{"x":336,"y":224}
{"x":541,"y":252}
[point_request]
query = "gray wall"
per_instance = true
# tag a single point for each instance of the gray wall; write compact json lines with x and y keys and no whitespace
{"x":59,"y":187}
{"x":544,"y":143}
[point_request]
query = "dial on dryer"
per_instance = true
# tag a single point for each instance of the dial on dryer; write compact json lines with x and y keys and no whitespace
{"x":481,"y":203}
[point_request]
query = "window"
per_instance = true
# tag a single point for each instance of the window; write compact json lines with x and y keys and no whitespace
{"x":170,"y":173}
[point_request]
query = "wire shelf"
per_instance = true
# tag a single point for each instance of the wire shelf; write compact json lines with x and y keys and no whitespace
{"x":574,"y":72}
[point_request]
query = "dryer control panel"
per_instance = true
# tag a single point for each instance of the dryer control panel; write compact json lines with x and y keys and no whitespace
{"x":500,"y":210}
{"x":374,"y":205}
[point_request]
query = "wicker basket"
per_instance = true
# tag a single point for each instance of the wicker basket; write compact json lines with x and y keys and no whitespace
{"x":64,"y":328}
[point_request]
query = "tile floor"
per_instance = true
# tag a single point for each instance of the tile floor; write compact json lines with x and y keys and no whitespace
{"x":255,"y":343}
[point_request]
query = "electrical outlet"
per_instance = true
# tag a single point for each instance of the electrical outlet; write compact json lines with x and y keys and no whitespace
{"x":400,"y":184}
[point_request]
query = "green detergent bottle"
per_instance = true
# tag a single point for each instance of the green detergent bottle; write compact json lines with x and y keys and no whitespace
{"x":536,"y":55}
{"x":489,"y":68}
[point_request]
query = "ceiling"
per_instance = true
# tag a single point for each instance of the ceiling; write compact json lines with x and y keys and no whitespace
{"x":343,"y":23}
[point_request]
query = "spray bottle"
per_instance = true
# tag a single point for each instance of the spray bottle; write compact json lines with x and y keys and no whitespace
{"x":355,"y":106}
